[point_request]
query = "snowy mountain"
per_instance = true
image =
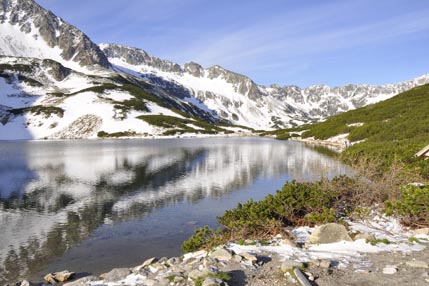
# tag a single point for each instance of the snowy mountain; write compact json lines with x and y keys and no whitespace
{"x":43,"y":99}
{"x":239,"y":100}
{"x":28,"y":30}
{"x":55,"y":83}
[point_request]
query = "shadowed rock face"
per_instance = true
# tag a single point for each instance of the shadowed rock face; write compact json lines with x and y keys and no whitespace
{"x":74,"y":44}
{"x":137,"y":57}
{"x":58,"y":71}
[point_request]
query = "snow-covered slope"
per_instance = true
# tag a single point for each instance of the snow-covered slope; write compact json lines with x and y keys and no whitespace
{"x":43,"y":99}
{"x":241,"y":101}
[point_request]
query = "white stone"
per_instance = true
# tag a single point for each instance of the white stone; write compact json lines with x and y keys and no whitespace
{"x":390,"y":269}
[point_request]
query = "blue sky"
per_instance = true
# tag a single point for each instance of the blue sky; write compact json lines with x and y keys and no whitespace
{"x":333,"y":42}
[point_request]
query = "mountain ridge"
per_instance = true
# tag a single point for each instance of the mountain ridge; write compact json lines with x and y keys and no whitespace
{"x":30,"y":30}
{"x":56,"y":83}
{"x":316,"y":102}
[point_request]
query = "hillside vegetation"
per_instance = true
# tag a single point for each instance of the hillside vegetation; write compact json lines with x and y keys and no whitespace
{"x":390,"y":130}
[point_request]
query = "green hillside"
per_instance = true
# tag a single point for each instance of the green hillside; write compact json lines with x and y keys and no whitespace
{"x":393,"y":129}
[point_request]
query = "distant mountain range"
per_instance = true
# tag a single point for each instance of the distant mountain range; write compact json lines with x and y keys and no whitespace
{"x":56,"y":83}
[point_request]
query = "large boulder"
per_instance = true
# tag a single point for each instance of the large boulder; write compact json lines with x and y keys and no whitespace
{"x":329,"y":233}
{"x":221,"y":254}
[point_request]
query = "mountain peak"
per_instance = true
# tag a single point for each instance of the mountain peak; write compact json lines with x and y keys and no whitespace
{"x":29,"y":30}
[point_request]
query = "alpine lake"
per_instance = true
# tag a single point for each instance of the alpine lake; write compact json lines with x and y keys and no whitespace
{"x":92,"y":205}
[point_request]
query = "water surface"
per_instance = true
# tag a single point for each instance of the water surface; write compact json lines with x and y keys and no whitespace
{"x":89,"y":206}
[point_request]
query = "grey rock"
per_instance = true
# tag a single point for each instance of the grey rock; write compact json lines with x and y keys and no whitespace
{"x":82,"y":281}
{"x":56,"y":277}
{"x":325,"y":263}
{"x":221,"y":254}
{"x":163,"y":282}
{"x":194,"y":69}
{"x":23,"y":283}
{"x":150,"y":282}
{"x":174,"y":260}
{"x":209,"y":269}
{"x":116,"y":274}
{"x":417,"y":264}
{"x":329,"y":233}
{"x":195,"y":274}
{"x":249,"y":257}
{"x":178,"y":279}
{"x":290,"y":264}
{"x":209,"y":281}
{"x":56,"y":70}
{"x":158,"y":266}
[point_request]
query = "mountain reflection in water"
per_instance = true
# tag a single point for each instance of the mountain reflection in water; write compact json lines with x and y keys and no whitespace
{"x":54,"y":196}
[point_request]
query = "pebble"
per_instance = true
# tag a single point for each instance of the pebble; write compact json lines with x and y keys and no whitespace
{"x":389,"y":269}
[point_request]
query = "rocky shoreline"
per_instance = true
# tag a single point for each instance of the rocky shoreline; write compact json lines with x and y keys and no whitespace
{"x":370,"y":251}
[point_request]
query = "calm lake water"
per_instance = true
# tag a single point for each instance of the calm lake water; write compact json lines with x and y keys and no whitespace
{"x":90,"y":206}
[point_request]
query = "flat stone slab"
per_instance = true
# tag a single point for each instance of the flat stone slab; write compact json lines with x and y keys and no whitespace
{"x":417,"y":264}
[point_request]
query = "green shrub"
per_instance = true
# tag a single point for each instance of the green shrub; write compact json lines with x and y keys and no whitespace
{"x":39,"y":110}
{"x":203,"y":237}
{"x":412,"y":206}
{"x":16,"y":67}
{"x":394,"y":129}
{"x":103,"y":134}
{"x":180,"y":125}
{"x":285,"y":136}
{"x":376,"y":241}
